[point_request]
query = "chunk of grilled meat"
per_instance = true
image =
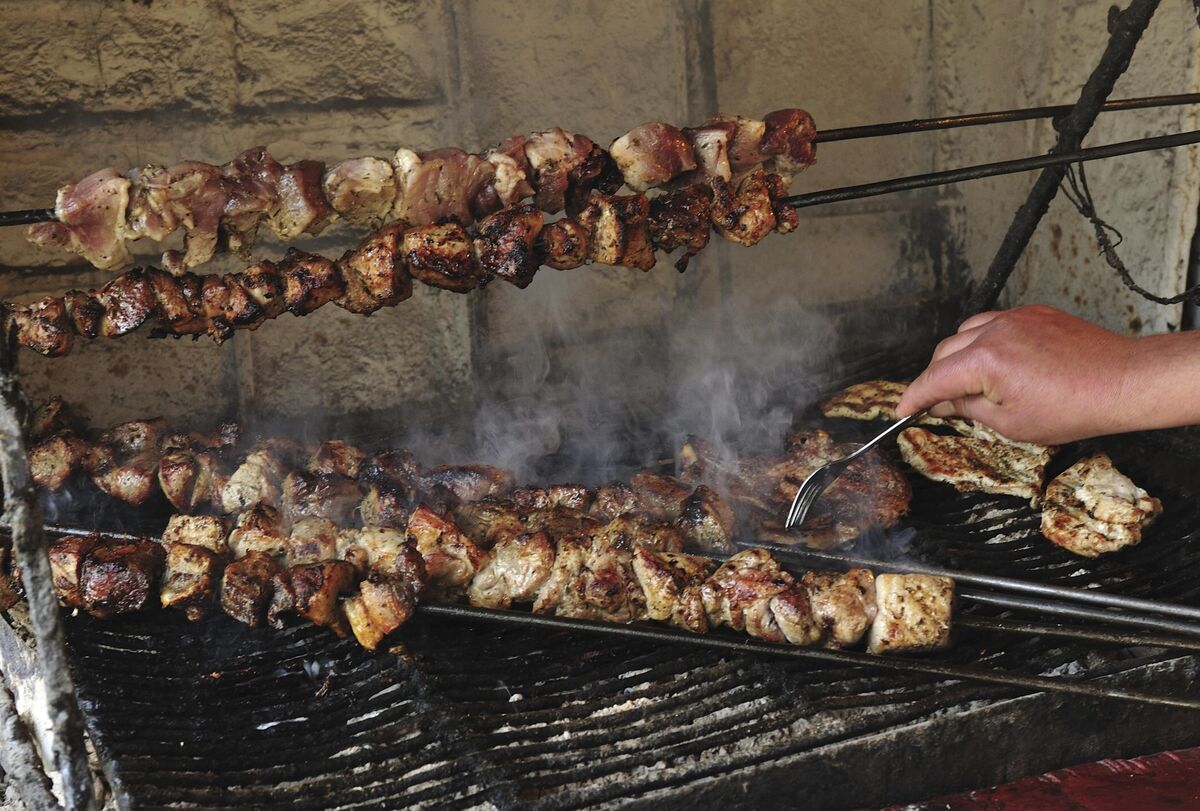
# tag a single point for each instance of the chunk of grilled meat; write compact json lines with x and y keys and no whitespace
{"x":90,"y":216}
{"x":672,"y":583}
{"x":1092,"y":508}
{"x":440,"y":256}
{"x":564,"y":244}
{"x":591,"y":580}
{"x":119,"y":577}
{"x":629,"y":530}
{"x":334,"y":456}
{"x":659,"y":496}
{"x":619,"y":229}
{"x":312,"y":590}
{"x":746,"y":216}
{"x":55,"y":458}
{"x":913,"y":613}
{"x":208,"y":531}
{"x":190,"y":578}
{"x":682,"y":218}
{"x":375,"y":273}
{"x":66,"y":567}
{"x":52,"y":417}
{"x":613,"y":500}
{"x":124,"y":461}
{"x":559,"y":521}
{"x":869,"y":400}
{"x":191,"y":480}
{"x":387,"y":551}
{"x":465,"y":483}
{"x":488,"y":520}
{"x":507,"y":244}
{"x":312,"y":540}
{"x":382,"y":605}
{"x":384,"y":507}
{"x":361,"y":190}
{"x":451,"y":558}
{"x":707,"y":521}
{"x":751,"y":592}
{"x":844,"y":602}
{"x":331,"y":496}
{"x":971,"y":464}
{"x":396,"y":468}
{"x":514,"y":572}
{"x":256,"y":481}
{"x":260,"y":529}
{"x":247,"y":587}
{"x":652,"y":154}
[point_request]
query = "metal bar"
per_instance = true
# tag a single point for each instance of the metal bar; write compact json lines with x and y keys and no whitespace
{"x":27,"y":217}
{"x":1010,"y":626}
{"x":21,"y":510}
{"x":1053,"y":159}
{"x":1072,"y":129}
{"x":1101,"y":598}
{"x":996,"y":117}
{"x":925,"y":666}
{"x":1051,"y":608}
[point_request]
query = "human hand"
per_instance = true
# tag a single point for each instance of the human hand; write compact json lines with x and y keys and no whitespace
{"x":1033,"y":373}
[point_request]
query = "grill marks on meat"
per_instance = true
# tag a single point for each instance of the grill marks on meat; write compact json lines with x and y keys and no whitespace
{"x":751,"y":593}
{"x":1091,"y":508}
{"x":972,"y":464}
{"x":913,"y":614}
{"x":619,"y":230}
{"x":507,"y":244}
{"x":451,"y":558}
{"x":844,"y":602}
{"x":673,"y":585}
{"x":228,"y":204}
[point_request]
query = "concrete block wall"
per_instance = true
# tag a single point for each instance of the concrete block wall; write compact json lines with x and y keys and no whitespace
{"x":124,"y":82}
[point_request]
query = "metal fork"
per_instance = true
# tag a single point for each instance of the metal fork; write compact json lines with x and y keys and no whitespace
{"x":822,"y":477}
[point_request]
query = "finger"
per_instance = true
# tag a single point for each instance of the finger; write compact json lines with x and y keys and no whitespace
{"x":973,"y":407}
{"x":978,"y":320}
{"x":956,"y":343}
{"x":949,"y":378}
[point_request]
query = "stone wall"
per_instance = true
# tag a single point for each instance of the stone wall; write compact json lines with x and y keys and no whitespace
{"x":124,"y":82}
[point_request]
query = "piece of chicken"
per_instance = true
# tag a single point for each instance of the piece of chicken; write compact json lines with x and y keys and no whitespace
{"x":312,"y":590}
{"x":66,"y":567}
{"x":382,"y":605}
{"x":844,"y":602}
{"x":260,"y":529}
{"x":672,"y":583}
{"x":751,"y":593}
{"x":208,"y":531}
{"x":707,"y":521}
{"x":190,"y":578}
{"x":119,"y":577}
{"x":451,"y":558}
{"x":247,"y":587}
{"x":312,"y":540}
{"x":913,"y":614}
{"x":514,"y":572}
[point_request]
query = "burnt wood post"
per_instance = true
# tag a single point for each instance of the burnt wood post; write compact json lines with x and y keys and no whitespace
{"x":1072,"y":129}
{"x":24,"y":518}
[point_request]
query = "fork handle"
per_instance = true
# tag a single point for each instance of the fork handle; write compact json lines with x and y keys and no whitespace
{"x":893,"y":429}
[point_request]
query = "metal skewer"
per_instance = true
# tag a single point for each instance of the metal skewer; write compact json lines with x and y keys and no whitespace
{"x":997,"y":117}
{"x":911,"y":182}
{"x":925,"y":666}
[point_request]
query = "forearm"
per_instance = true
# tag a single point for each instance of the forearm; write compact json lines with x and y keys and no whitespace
{"x":1161,"y":387}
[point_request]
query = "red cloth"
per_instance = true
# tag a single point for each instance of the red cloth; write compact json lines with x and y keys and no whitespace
{"x":1166,"y":780}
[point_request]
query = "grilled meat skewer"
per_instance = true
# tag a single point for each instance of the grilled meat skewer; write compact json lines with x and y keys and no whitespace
{"x":511,"y":244}
{"x":226,"y":205}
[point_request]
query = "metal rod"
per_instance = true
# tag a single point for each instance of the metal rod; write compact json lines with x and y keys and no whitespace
{"x":1072,"y":129}
{"x":925,"y":666}
{"x":993,"y":582}
{"x":1011,"y":626}
{"x":1055,"y":609}
{"x":1052,"y":159}
{"x":996,"y":117}
{"x":68,"y":751}
{"x":27,"y":217}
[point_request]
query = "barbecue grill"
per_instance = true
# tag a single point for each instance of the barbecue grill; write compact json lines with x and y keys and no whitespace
{"x":477,"y":708}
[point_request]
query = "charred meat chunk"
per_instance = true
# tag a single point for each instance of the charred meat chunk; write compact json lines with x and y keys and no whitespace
{"x":658,"y":496}
{"x":451,"y":558}
{"x":439,"y":185}
{"x":489,"y":520}
{"x":309,"y":281}
{"x":507,"y":242}
{"x":312,"y":590}
{"x":789,"y":138}
{"x":323,"y":495}
{"x":559,"y":521}
{"x":707,"y":521}
{"x":466,"y":483}
{"x":387,"y":551}
{"x":844,"y":602}
{"x":619,"y":230}
{"x":375,"y":274}
{"x":913,"y":613}
{"x":564,"y":244}
{"x":613,"y":500}
{"x":66,"y":567}
{"x":517,"y":568}
{"x":440,"y":256}
{"x":555,"y":158}
{"x":382,"y":605}
{"x":51,"y":417}
{"x":652,"y":154}
{"x":747,"y":215}
{"x":247,"y":587}
{"x":602,"y":587}
{"x":672,"y":583}
{"x":207,"y":531}
{"x":682,"y":219}
{"x":43,"y":326}
{"x":190,"y":480}
{"x":629,"y":530}
{"x":383,"y":506}
{"x":121,"y":576}
{"x":256,"y":481}
{"x":190,"y":578}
